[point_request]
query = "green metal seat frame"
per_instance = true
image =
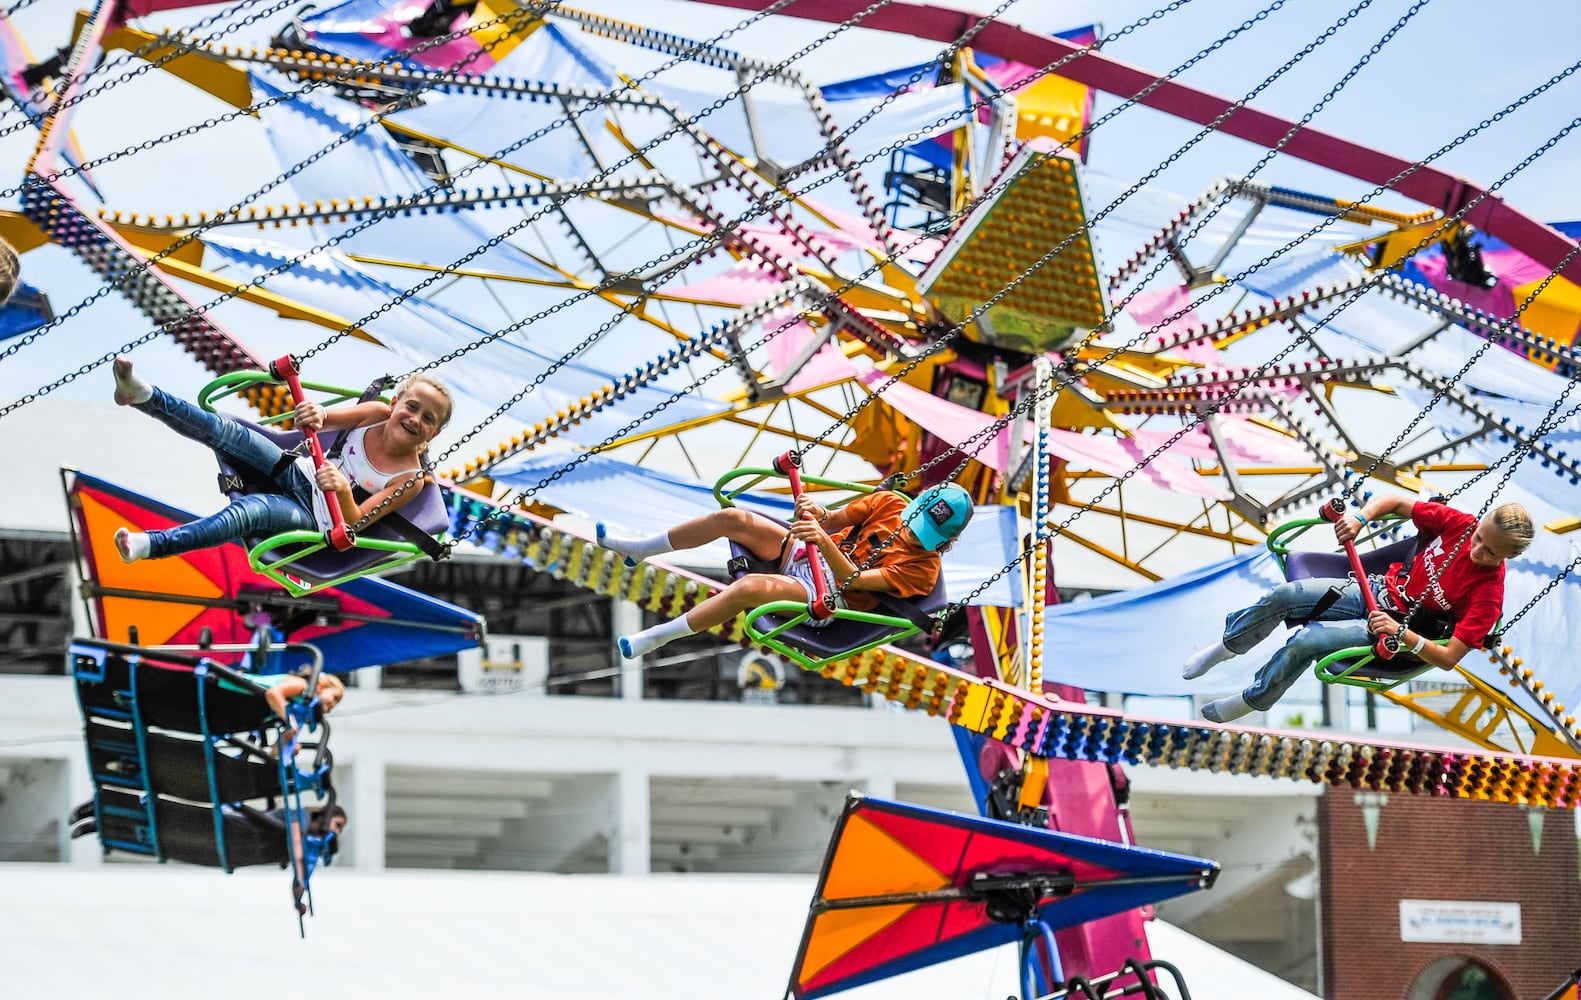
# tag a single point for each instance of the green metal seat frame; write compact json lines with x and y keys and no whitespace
{"x":277,"y":556}
{"x":892,"y":628}
{"x":1348,"y":666}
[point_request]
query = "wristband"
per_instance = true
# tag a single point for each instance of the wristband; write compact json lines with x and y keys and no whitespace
{"x":1421,"y":640}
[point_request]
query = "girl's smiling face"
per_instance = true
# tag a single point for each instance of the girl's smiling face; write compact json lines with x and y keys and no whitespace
{"x":417,"y":414}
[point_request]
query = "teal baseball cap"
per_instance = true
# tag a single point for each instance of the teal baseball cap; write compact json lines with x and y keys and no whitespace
{"x":939,"y":515}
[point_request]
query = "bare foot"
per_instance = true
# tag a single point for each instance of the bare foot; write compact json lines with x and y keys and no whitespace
{"x":129,"y":386}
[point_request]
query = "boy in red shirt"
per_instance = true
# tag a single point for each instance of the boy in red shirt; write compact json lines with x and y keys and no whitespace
{"x":906,"y":537}
{"x":1458,"y":572}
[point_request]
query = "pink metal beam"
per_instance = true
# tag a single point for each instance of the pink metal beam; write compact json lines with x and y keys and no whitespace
{"x":142,"y":8}
{"x":1443,"y":191}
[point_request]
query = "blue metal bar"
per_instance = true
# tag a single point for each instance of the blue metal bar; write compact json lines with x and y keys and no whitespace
{"x":133,"y":661}
{"x":216,"y":808}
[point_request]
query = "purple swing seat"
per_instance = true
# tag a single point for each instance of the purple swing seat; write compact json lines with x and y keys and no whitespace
{"x":426,"y":512}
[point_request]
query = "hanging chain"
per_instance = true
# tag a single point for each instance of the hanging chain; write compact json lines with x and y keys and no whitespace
{"x":145,"y":266}
{"x":1273,"y":151}
{"x":177,"y":49}
{"x":529,"y":492}
{"x":872,"y":269}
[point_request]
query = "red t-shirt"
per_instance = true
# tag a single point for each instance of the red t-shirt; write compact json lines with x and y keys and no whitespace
{"x":909,"y":569}
{"x":1472,"y":594}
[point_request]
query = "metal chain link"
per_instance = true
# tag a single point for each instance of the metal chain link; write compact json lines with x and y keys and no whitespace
{"x":527,"y":493}
{"x":146,"y":266}
{"x":932,"y":349}
{"x":1004,"y":182}
{"x":1250,"y":377}
{"x":609,"y":282}
{"x":703,"y":244}
{"x":1504,"y":325}
{"x":1274,"y":150}
{"x":177,"y":49}
{"x":675,"y":129}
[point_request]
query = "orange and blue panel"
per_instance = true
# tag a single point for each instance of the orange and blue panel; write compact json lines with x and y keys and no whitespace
{"x":900,"y":889}
{"x":171,"y":601}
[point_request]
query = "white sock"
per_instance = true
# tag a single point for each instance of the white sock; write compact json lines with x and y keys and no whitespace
{"x":1227,"y":709}
{"x":649,"y":639}
{"x":133,"y":545}
{"x":130,"y":388}
{"x":634,"y":549}
{"x":1204,"y":660}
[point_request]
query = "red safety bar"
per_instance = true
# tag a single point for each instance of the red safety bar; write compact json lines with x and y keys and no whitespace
{"x":1388,"y":645}
{"x":789,"y":465}
{"x":340,"y":536}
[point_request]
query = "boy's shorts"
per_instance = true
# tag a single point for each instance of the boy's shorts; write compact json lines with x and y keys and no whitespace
{"x":800,"y":570}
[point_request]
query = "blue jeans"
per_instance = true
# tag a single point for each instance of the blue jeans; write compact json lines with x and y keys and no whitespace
{"x":1341,"y":625}
{"x":254,"y":515}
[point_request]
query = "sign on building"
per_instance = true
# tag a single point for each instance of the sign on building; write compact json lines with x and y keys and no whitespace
{"x":1459,"y":921}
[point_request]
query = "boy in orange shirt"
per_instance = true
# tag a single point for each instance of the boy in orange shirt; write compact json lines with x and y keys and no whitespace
{"x":878,"y":543}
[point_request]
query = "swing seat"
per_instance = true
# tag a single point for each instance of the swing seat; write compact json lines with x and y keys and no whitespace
{"x":1356,"y":666}
{"x":786,"y":626}
{"x":1321,"y":565}
{"x":1359,"y":666}
{"x":303,"y":562}
{"x":176,"y":748}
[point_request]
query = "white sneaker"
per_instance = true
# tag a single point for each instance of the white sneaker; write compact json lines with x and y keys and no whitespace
{"x":130,"y":388}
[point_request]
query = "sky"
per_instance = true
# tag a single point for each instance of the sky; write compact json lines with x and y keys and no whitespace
{"x":1451,"y":65}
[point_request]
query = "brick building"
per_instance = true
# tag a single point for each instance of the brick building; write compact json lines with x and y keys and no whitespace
{"x":1435,"y":899}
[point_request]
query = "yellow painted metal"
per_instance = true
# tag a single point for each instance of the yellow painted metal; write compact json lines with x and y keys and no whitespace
{"x":1390,"y":250}
{"x":1034,"y":781}
{"x":207,"y":70}
{"x":1483,"y":715}
{"x":1188,"y":529}
{"x":286,"y":308}
{"x":1111,"y":555}
{"x":1038,"y":207}
{"x":19,"y":231}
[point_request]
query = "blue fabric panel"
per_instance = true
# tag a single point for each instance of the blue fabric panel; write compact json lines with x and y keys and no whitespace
{"x":876,"y":84}
{"x":27,"y":310}
{"x":371,"y":164}
{"x":1135,"y":641}
{"x":486,"y":123}
{"x":339,"y":29}
{"x":419,"y":331}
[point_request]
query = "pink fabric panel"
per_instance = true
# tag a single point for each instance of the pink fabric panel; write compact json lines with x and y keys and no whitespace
{"x":1513,"y":269}
{"x":943,"y":419}
{"x":828,"y":365}
{"x":1115,"y":456}
{"x":1151,"y":307}
{"x":456,"y":52}
{"x":1246,"y":442}
{"x":850,"y":225}
{"x":743,"y":283}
